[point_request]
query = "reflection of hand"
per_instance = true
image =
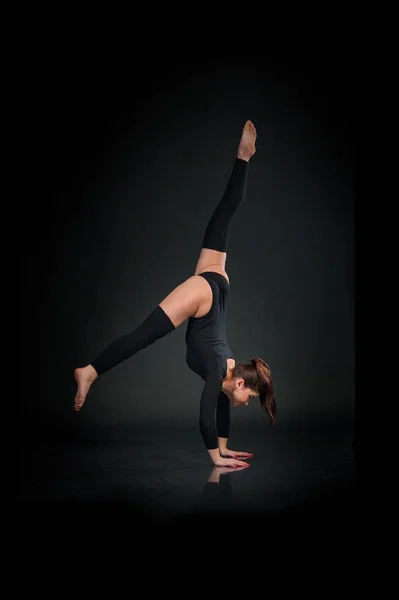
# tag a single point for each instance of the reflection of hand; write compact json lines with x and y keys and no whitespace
{"x":230,"y":462}
{"x":225,"y":452}
{"x":218,"y":471}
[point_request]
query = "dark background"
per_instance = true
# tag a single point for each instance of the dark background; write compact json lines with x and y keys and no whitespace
{"x":132,"y":166}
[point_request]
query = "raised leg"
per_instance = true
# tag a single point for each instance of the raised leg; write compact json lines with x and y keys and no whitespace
{"x":216,"y":237}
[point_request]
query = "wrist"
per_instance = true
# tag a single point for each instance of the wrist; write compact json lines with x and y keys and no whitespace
{"x":215,"y":456}
{"x":222,"y":443}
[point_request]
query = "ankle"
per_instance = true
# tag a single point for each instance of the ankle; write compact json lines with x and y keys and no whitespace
{"x":90,"y":373}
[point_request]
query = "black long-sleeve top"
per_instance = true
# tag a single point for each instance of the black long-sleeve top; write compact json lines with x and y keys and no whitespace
{"x":207,"y":354}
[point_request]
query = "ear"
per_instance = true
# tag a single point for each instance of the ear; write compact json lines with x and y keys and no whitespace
{"x":239,"y":382}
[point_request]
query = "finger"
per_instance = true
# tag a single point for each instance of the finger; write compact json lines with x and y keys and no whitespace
{"x":243,"y":455}
{"x":241,"y":464}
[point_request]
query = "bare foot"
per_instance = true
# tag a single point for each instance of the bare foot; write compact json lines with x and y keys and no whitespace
{"x":84,"y":378}
{"x":246,"y":147}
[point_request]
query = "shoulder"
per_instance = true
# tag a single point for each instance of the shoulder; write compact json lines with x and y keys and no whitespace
{"x":216,"y":367}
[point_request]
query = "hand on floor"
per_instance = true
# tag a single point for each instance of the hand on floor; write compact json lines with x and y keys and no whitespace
{"x":234,"y":454}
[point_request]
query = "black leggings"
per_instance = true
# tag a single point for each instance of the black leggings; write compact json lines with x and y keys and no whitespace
{"x":218,"y":229}
{"x":157,"y":324}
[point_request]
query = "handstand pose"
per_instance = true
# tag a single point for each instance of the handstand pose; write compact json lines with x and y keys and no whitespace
{"x":202,"y":301}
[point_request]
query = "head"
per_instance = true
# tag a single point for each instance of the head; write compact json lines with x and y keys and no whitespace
{"x":249,"y":380}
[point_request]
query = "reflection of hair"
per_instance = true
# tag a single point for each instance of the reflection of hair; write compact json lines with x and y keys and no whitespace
{"x":257,"y":376}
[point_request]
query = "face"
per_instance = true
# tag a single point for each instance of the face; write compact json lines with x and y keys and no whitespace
{"x":241,"y":395}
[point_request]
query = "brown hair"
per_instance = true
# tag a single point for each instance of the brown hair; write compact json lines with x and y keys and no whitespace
{"x":257,"y":376}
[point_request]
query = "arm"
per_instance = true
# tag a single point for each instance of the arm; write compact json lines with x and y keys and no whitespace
{"x":207,"y":419}
{"x":223,"y":427}
{"x":207,"y":424}
{"x":223,"y":421}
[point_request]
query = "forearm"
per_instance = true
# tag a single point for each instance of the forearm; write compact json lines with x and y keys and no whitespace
{"x":223,"y":420}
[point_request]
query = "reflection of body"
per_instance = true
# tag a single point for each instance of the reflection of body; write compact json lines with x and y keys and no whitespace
{"x":218,"y":492}
{"x":201,"y":300}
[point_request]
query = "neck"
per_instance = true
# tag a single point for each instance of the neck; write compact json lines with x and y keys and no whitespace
{"x":227,"y":384}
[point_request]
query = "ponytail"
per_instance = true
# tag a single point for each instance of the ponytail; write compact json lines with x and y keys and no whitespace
{"x":265,"y":387}
{"x":257,"y":376}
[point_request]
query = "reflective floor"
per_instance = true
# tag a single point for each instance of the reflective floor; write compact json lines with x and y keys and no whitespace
{"x":161,"y":472}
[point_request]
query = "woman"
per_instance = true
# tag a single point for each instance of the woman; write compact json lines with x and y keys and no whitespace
{"x":202,"y":301}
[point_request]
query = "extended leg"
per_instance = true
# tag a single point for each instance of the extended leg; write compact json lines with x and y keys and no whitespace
{"x":155,"y":326}
{"x":182,"y":303}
